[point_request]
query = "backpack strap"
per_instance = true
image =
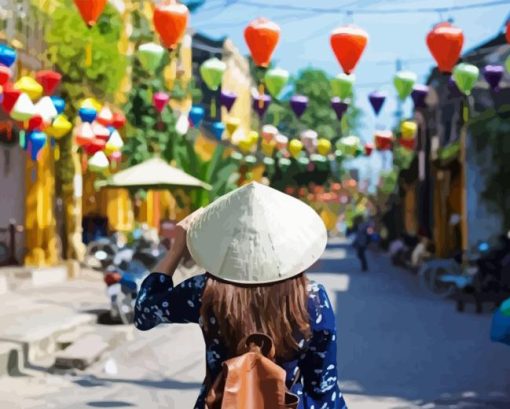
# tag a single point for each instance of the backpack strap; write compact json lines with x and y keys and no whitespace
{"x":258,"y":342}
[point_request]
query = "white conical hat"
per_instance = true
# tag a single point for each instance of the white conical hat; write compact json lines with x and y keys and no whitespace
{"x":256,"y":235}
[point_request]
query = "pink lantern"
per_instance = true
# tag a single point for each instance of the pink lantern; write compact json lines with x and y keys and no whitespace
{"x":160,"y":99}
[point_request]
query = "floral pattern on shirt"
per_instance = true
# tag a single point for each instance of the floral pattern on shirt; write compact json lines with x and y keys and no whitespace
{"x":159,"y":302}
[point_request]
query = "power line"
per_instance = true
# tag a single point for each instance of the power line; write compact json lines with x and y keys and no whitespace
{"x":342,"y":10}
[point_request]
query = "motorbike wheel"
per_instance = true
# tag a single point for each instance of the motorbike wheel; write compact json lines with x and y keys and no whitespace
{"x":125,"y":308}
{"x":430,"y":280}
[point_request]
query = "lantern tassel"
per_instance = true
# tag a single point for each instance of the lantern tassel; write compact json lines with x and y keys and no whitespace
{"x":88,"y":54}
{"x":261,"y":94}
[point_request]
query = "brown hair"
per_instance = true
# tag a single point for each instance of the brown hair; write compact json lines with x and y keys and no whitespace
{"x":278,"y":310}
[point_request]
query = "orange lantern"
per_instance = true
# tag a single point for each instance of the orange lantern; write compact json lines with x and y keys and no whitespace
{"x":383,"y":140}
{"x":508,"y":32}
{"x":90,"y":10}
{"x":445,"y":43}
{"x":170,"y":21}
{"x":262,"y":36}
{"x":348,"y":44}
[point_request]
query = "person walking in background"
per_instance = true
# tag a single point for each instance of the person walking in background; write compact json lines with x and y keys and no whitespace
{"x":361,"y":241}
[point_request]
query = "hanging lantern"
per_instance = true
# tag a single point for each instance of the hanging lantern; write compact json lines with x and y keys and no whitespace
{"x":105,"y":116}
{"x":46,"y":109}
{"x":348,"y":44}
{"x":309,"y":140}
{"x":295,"y":148}
{"x":342,"y":85}
{"x":150,"y":56}
{"x":30,"y":87}
{"x":5,"y":75}
{"x":404,"y":82}
{"x":90,"y":10}
{"x":376,"y":100}
{"x":115,"y":157}
{"x":275,"y":80}
{"x":160,"y":100}
{"x":245,"y":145}
{"x":59,"y":104}
{"x":98,"y":162}
{"x":368,"y":148}
{"x":262,"y":36}
{"x":493,"y":75}
{"x":212,"y":72}
{"x":23,"y":109}
{"x":465,"y":76}
{"x":170,"y":21}
{"x":10,"y":96}
{"x":281,"y":141}
{"x":408,"y":129}
{"x":36,"y":141}
{"x":217,"y":129}
{"x":419,"y":94}
{"x":91,"y":103}
{"x":407,"y":143}
{"x":182,"y":124}
{"x":445,"y":43}
{"x":507,"y":64}
{"x":59,"y":127}
{"x":118,"y":120}
{"x":383,"y":140}
{"x":87,"y":114}
{"x":227,"y":99}
{"x":34,"y":123}
{"x":83,"y":134}
{"x":196,"y":115}
{"x":114,"y":143}
{"x":232,"y":124}
{"x":455,"y":92}
{"x":340,"y":107}
{"x":7,"y":55}
{"x":268,"y":147}
{"x":95,"y":145}
{"x":100,"y":131}
{"x":269,"y":132}
{"x":260,"y":104}
{"x":323,"y":146}
{"x":298,"y":104}
{"x":348,"y":145}
{"x":49,"y":80}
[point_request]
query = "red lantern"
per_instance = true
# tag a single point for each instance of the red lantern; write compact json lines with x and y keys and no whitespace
{"x":369,"y":147}
{"x":90,"y":10}
{"x":171,"y":20}
{"x":383,"y":140}
{"x":49,"y":81}
{"x":119,"y":120}
{"x":407,"y":143}
{"x":95,"y":145}
{"x":5,"y":74}
{"x":262,"y":36}
{"x":445,"y":43}
{"x":11,"y":95}
{"x":348,"y":44}
{"x":36,"y":122}
{"x":508,"y":32}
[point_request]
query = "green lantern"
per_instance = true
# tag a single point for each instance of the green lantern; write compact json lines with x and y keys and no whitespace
{"x":150,"y":55}
{"x":275,"y":80}
{"x":507,"y":64}
{"x":348,"y":146}
{"x":465,"y":76}
{"x":404,"y":82}
{"x":342,"y":85}
{"x":212,"y":73}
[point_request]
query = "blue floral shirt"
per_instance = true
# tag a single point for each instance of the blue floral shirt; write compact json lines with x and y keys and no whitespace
{"x":159,"y":302}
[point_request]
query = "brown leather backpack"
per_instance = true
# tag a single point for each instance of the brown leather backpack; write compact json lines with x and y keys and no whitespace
{"x":252,"y":380}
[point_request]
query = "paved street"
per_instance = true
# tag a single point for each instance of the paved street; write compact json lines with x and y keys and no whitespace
{"x":399,"y":348}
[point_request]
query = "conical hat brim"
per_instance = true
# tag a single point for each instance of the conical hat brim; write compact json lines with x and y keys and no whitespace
{"x":257,"y":235}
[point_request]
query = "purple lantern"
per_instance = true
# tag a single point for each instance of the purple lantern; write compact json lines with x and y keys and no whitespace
{"x":419,"y":94}
{"x":454,"y":90}
{"x":377,"y":99}
{"x":299,"y":103}
{"x":259,"y":107}
{"x":227,"y":99}
{"x":339,"y":106}
{"x":493,"y":75}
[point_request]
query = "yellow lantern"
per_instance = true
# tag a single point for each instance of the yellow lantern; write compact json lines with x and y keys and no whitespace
{"x":295,"y":148}
{"x":30,"y":87}
{"x":408,"y":130}
{"x":323,"y":146}
{"x":268,"y":147}
{"x":253,"y":137}
{"x":245,"y":145}
{"x":59,"y":128}
{"x":91,"y":103}
{"x":232,"y":124}
{"x":114,"y":143}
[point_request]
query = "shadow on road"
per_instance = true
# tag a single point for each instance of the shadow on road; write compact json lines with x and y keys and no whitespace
{"x":110,"y":404}
{"x":94,"y":381}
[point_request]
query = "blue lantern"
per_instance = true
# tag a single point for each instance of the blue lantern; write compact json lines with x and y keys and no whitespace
{"x":196,"y":114}
{"x":87,"y":114}
{"x":7,"y":55}
{"x":37,"y":140}
{"x":59,"y":104}
{"x":217,"y":129}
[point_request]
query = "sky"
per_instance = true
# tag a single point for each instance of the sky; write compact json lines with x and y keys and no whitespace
{"x":304,"y":40}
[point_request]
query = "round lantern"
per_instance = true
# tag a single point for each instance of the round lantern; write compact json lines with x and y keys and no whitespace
{"x":49,"y":80}
{"x":281,"y":141}
{"x":7,"y":55}
{"x":376,"y":100}
{"x":30,"y":87}
{"x":170,"y":21}
{"x":408,"y":130}
{"x":212,"y":72}
{"x":262,"y":36}
{"x":298,"y":104}
{"x":445,"y":43}
{"x":404,"y":82}
{"x":160,"y":100}
{"x":465,"y":76}
{"x":342,"y":85}
{"x":87,"y":114}
{"x":383,"y":140}
{"x":323,"y":146}
{"x":98,"y":162}
{"x":493,"y":75}
{"x":275,"y":80}
{"x":348,"y":44}
{"x":348,"y":145}
{"x":309,"y":140}
{"x":245,"y":145}
{"x":295,"y":148}
{"x":507,"y":32}
{"x":196,"y":115}
{"x":90,"y":10}
{"x":269,"y":132}
{"x":150,"y":56}
{"x":227,"y":99}
{"x":340,"y":107}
